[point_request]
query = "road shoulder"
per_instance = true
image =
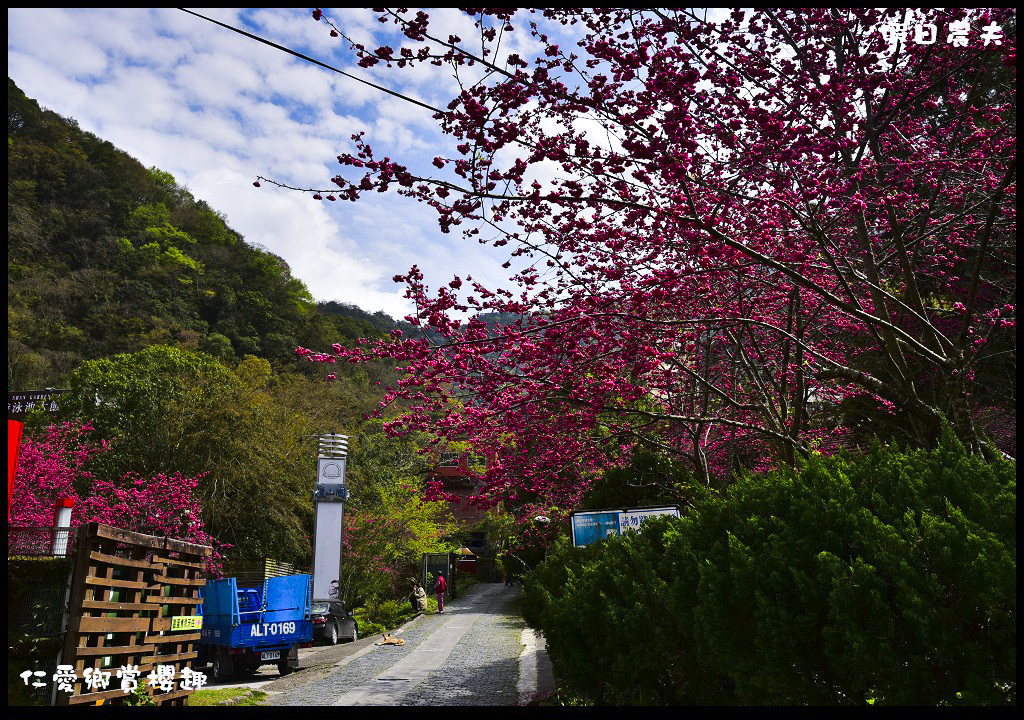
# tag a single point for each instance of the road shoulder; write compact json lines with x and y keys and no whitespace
{"x":536,"y":679}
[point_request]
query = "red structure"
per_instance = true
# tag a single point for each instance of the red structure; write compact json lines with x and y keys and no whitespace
{"x":452,"y":470}
{"x":14,"y":429}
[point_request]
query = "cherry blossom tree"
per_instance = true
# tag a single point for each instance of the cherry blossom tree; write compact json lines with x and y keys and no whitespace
{"x":54,"y":466}
{"x":723,"y":231}
{"x":51,"y":467}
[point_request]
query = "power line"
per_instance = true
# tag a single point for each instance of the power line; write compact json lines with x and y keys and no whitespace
{"x":315,"y":62}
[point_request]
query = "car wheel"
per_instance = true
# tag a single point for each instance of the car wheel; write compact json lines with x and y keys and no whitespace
{"x":334,"y":634}
{"x":355,"y":631}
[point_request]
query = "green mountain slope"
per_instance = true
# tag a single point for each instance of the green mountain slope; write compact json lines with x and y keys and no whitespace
{"x":106,"y":256}
{"x":176,"y":338}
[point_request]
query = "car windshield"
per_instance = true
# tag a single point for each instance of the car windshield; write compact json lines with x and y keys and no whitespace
{"x":320,"y":607}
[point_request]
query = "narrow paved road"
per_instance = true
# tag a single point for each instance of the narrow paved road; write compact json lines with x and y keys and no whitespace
{"x":470,"y":655}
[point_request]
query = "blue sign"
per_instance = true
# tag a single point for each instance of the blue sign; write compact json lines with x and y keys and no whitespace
{"x":591,"y":527}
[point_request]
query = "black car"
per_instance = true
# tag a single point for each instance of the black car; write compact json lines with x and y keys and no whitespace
{"x":332,"y":621}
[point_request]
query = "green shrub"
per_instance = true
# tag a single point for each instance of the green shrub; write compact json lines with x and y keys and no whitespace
{"x":369,"y":627}
{"x":888,"y":579}
{"x":389,"y":613}
{"x":463,"y":582}
{"x":139,"y":698}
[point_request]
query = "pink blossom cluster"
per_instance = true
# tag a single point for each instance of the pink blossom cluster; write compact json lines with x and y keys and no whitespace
{"x":53,"y":466}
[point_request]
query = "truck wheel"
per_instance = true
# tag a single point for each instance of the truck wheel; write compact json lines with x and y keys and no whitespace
{"x":221,"y":671}
{"x":283,"y":669}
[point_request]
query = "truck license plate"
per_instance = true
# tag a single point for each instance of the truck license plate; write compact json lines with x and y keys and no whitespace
{"x":270,"y":655}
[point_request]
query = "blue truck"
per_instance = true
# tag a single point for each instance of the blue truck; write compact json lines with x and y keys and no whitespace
{"x":244,"y":628}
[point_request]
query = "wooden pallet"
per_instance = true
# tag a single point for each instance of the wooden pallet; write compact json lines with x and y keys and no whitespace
{"x":125,"y":589}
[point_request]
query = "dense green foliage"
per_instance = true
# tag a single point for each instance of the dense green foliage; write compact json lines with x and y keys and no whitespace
{"x":248,"y":431}
{"x":889,"y":578}
{"x":650,"y":479}
{"x":177,"y":338}
{"x":105,"y":256}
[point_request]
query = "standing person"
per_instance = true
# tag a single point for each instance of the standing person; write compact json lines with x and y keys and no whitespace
{"x":439,"y":587}
{"x":412,"y":594}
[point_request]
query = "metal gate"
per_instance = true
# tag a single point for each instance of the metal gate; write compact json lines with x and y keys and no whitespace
{"x":36,"y":597}
{"x":435,"y":563}
{"x":486,"y":571}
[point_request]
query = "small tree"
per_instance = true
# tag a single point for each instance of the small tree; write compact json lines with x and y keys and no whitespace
{"x":389,"y":522}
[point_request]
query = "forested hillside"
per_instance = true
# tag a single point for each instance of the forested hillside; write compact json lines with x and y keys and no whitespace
{"x":177,"y":339}
{"x":106,"y":256}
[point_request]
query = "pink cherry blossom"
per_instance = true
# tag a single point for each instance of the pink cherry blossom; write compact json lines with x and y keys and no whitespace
{"x":52,"y":466}
{"x":782,"y":223}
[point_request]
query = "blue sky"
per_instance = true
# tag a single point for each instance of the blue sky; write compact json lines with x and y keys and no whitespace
{"x":216,"y":109}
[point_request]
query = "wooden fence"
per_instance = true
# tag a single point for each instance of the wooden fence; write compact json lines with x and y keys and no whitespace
{"x":126,"y":587}
{"x":253,"y":573}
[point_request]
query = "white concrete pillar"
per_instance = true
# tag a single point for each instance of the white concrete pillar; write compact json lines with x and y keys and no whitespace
{"x":61,"y":526}
{"x":329,"y":495}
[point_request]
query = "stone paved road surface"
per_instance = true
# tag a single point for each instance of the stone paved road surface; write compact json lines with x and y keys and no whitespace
{"x":470,"y":655}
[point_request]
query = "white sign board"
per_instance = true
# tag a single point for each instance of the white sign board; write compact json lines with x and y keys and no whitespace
{"x":633,"y":519}
{"x":329,"y":517}
{"x":331,"y":470}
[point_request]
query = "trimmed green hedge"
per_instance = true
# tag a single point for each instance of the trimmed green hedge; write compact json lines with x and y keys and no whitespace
{"x":889,"y":578}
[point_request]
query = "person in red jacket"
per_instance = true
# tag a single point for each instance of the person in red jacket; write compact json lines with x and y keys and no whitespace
{"x":439,"y":587}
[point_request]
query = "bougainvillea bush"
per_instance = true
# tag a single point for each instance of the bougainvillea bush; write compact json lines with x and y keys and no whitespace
{"x":885,"y":579}
{"x":721,"y":233}
{"x":54,"y":465}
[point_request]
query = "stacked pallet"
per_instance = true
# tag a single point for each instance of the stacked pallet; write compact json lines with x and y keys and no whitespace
{"x":132,"y":607}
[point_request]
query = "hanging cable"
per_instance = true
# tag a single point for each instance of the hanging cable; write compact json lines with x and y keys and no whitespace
{"x":315,"y":62}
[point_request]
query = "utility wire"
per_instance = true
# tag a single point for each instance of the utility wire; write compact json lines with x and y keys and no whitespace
{"x":315,"y":62}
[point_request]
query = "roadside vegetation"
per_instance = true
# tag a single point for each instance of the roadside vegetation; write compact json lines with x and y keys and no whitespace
{"x":225,"y":696}
{"x":888,"y":578}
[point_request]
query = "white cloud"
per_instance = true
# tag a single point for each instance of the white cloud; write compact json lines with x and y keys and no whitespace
{"x":216,"y":109}
{"x":302,"y":232}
